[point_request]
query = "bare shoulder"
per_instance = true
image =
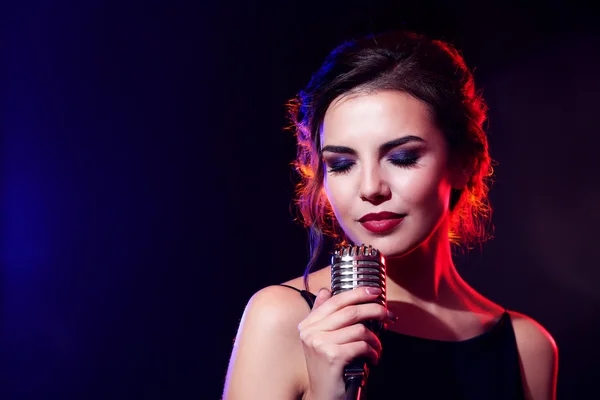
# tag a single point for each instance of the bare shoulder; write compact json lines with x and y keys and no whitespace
{"x":531,"y":333}
{"x":276,"y":307}
{"x":267,"y":360}
{"x":538,"y":354}
{"x":316,"y":280}
{"x":533,"y":338}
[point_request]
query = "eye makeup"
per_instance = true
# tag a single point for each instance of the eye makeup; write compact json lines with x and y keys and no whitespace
{"x":341,"y":159}
{"x":339,"y":165}
{"x":404,"y":157}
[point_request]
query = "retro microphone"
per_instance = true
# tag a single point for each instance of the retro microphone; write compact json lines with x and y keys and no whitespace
{"x":355,"y":266}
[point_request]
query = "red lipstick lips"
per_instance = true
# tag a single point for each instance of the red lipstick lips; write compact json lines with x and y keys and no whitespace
{"x":381,"y":222}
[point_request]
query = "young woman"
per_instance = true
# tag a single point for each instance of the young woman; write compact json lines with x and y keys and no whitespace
{"x":392,"y":154}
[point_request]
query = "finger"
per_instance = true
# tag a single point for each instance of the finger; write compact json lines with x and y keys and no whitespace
{"x":344,"y":299}
{"x":355,"y":314}
{"x":304,"y":326}
{"x":353,"y":333}
{"x":354,"y":350}
{"x":322,"y":296}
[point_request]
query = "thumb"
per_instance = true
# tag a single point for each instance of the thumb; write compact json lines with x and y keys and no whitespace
{"x":322,"y":296}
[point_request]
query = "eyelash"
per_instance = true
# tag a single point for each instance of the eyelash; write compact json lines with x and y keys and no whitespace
{"x":408,"y":161}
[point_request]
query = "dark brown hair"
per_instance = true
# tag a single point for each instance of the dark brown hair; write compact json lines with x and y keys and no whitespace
{"x":431,"y":71}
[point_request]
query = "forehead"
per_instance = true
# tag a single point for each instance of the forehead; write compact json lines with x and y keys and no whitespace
{"x":377,"y":117}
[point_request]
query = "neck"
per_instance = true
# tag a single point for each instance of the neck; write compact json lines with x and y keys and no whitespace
{"x":426,"y":276}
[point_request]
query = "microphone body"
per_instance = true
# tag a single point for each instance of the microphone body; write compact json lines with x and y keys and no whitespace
{"x":355,"y":266}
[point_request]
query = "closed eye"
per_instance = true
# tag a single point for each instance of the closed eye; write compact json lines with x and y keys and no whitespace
{"x":404,"y":158}
{"x":340,"y":166}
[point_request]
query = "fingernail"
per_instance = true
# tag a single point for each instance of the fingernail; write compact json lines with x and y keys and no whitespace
{"x":373,"y":290}
{"x":392,"y":316}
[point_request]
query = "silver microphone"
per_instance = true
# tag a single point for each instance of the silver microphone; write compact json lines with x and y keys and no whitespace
{"x":355,"y":266}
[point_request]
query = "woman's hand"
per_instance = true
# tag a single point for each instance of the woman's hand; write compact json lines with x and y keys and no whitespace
{"x":332,"y":335}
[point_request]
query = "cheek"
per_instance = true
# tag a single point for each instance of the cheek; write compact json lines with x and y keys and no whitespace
{"x":339,"y":194}
{"x":426,"y":189}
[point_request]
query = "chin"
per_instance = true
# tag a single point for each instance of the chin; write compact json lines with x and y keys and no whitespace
{"x":390,"y":246}
{"x":395,"y":245}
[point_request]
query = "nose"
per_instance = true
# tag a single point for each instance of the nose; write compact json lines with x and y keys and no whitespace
{"x":374,"y":186}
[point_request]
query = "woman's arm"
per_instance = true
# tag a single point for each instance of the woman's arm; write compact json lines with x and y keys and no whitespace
{"x":267,"y":361}
{"x":539,"y":358}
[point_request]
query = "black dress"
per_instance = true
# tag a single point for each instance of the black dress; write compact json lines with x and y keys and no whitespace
{"x":485,"y":367}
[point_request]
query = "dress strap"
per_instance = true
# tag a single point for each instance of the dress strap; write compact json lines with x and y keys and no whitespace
{"x":306,"y":295}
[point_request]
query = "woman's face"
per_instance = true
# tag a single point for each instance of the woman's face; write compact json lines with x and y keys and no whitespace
{"x":386,"y":170}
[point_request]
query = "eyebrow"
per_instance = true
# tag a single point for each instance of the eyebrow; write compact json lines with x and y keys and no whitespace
{"x":382,"y":149}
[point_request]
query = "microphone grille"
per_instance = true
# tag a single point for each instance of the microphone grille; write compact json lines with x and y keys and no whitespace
{"x":355,"y":266}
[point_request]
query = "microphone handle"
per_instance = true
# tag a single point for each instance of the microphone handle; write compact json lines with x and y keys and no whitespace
{"x":355,"y":377}
{"x":352,"y":267}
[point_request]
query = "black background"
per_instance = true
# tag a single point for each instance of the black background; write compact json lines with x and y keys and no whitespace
{"x":146,"y":184}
